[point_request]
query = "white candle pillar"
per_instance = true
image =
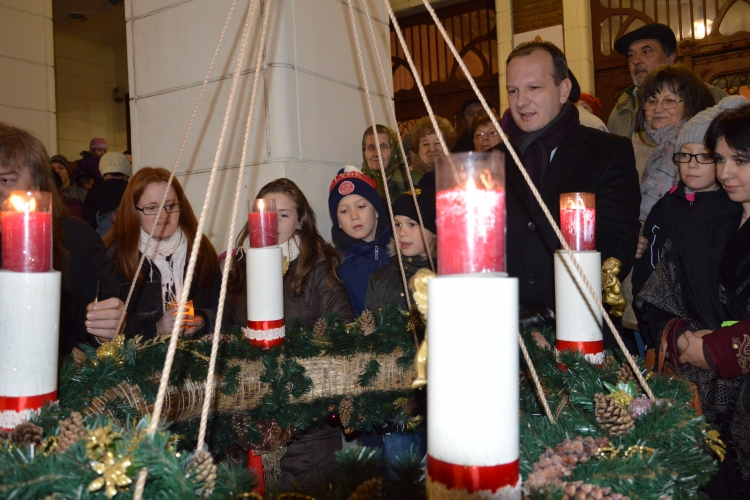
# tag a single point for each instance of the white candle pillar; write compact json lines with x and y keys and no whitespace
{"x":579,"y":321}
{"x":29,"y":338}
{"x":265,"y":297}
{"x":472,"y":390}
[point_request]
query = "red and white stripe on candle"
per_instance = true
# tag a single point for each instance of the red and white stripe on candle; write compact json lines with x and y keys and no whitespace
{"x":265,"y":297}
{"x":265,"y":334}
{"x":15,"y":410}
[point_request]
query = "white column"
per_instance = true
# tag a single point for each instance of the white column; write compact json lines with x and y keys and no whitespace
{"x":504,"y":24}
{"x":27,"y":68}
{"x":578,"y":44}
{"x":310,"y":115}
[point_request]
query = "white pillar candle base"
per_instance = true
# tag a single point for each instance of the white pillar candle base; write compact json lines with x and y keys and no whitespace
{"x":578,"y":319}
{"x":265,"y":297}
{"x":29,"y":339}
{"x":472,"y":388}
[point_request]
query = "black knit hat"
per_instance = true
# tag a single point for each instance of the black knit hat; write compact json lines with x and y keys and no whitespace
{"x":655,"y":31}
{"x":62,"y":161}
{"x":404,"y":205}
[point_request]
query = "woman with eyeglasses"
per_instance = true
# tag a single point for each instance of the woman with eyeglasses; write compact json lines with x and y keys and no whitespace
{"x":160,"y":281}
{"x":484,"y":133}
{"x":699,"y":204}
{"x":667,"y":98}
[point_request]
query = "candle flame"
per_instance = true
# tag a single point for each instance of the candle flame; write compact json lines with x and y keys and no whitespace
{"x":21,"y":205}
{"x":470,"y":184}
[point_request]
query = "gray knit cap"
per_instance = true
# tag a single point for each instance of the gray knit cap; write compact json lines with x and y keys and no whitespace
{"x":62,"y":161}
{"x":694,"y":131}
{"x":115,"y":163}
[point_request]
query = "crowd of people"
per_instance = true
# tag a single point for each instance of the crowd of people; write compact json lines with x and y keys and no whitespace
{"x":671,"y":175}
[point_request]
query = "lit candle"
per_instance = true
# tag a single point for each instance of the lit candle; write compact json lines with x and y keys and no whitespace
{"x":578,"y":220}
{"x":262,"y":224}
{"x":471,"y":213}
{"x":26,"y":220}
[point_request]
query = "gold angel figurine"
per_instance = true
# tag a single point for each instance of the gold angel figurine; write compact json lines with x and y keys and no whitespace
{"x":418,"y":287}
{"x":611,"y":287}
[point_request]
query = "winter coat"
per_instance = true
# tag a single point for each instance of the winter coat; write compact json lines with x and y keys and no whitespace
{"x":146,"y":304}
{"x":102,"y":199}
{"x":386,"y":286}
{"x":464,"y":143}
{"x":90,"y":164}
{"x":622,"y":116}
{"x":316,"y":300}
{"x":361,"y":259}
{"x":588,"y":161}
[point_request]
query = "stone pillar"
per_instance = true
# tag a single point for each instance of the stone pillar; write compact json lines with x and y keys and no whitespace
{"x":311,"y":109}
{"x":578,"y":44}
{"x":27,"y":68}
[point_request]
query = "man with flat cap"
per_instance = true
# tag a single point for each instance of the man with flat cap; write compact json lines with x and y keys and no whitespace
{"x":646,"y":48}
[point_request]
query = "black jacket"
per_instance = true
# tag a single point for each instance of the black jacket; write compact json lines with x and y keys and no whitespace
{"x":145,"y":307}
{"x":386,"y":286}
{"x":588,"y":161}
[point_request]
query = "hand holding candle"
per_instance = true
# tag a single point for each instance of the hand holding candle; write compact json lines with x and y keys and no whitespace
{"x":262,"y":223}
{"x":578,"y":220}
{"x":26,"y":219}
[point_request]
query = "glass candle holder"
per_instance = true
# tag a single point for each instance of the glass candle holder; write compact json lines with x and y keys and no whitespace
{"x":26,"y":218}
{"x":578,"y":220}
{"x":471,"y":213}
{"x":261,"y":223}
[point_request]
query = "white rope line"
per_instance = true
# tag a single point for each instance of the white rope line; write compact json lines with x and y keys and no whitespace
{"x":394,"y":124}
{"x":535,"y":378}
{"x":140,"y":484}
{"x":176,"y":162}
{"x":380,"y":158}
{"x":596,"y":295}
{"x":230,"y":240}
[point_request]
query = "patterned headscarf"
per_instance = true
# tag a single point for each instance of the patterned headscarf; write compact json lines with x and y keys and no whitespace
{"x":396,"y":161}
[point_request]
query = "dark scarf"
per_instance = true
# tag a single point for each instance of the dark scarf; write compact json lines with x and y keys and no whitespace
{"x":356,"y":246}
{"x":535,"y":148}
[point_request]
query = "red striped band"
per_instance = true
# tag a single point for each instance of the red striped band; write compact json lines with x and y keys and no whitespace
{"x":473,"y":478}
{"x":21,"y":403}
{"x":265,"y":325}
{"x":267,"y":344}
{"x":593,"y":347}
{"x":255,"y":465}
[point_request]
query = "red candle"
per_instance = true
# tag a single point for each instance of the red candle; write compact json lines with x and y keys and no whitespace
{"x":262,"y":229}
{"x":471,"y":230}
{"x":27,"y":233}
{"x":578,"y":220}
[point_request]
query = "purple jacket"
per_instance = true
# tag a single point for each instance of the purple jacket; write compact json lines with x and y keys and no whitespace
{"x":90,"y":164}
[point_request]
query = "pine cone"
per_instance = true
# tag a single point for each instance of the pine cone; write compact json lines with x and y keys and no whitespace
{"x":320,"y":328}
{"x":203,"y":468}
{"x":369,"y":490}
{"x":412,"y":407}
{"x":71,"y":430}
{"x":540,"y":341}
{"x":609,"y":364}
{"x":367,"y":323}
{"x":579,"y":450}
{"x":346,"y":410}
{"x":626,"y":374}
{"x":582,"y":491}
{"x":548,"y":469}
{"x":611,"y":416}
{"x":27,"y":433}
{"x":240,"y":424}
{"x":79,"y":357}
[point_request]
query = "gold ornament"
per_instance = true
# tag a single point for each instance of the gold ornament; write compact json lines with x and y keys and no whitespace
{"x":113,"y":474}
{"x":284,"y":265}
{"x":111,"y":348}
{"x":622,"y":398}
{"x":250,"y":494}
{"x":713,"y":440}
{"x":609,"y":451}
{"x":99,"y":440}
{"x":612,"y":287}
{"x":640,"y":450}
{"x":418,"y":286}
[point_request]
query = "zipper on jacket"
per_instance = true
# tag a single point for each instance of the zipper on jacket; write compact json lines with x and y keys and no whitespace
{"x":376,"y":253}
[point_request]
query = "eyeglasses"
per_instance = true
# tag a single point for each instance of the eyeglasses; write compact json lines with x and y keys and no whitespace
{"x":486,"y":135}
{"x":667,"y":103}
{"x":170,"y":209}
{"x":700,"y":157}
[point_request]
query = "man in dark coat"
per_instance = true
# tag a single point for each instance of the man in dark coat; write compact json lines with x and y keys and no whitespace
{"x":561,"y":156}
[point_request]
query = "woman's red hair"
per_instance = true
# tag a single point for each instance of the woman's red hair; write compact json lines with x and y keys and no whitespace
{"x":126,"y":233}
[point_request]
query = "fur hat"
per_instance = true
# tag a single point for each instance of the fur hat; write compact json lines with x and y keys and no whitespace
{"x":404,"y":205}
{"x":115,"y":163}
{"x":694,"y":131}
{"x":62,"y":161}
{"x":97,"y":143}
{"x":351,"y":180}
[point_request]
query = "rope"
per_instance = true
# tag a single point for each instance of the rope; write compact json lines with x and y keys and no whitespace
{"x":394,"y":124}
{"x":230,"y":241}
{"x":535,"y":377}
{"x":140,"y":484}
{"x":380,"y":160}
{"x":545,"y":210}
